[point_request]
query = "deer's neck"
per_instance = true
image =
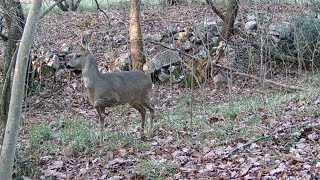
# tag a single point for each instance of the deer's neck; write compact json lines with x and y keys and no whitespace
{"x":90,"y":73}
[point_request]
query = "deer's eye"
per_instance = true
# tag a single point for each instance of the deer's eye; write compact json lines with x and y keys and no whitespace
{"x":78,"y":55}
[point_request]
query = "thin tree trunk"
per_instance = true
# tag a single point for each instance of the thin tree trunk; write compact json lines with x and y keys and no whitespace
{"x":18,"y":85}
{"x":231,"y":15}
{"x":15,"y":22}
{"x":136,"y":43}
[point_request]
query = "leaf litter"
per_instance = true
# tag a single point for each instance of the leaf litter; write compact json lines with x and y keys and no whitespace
{"x":175,"y":153}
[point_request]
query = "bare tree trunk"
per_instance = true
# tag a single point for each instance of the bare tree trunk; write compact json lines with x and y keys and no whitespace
{"x":15,"y":22}
{"x":62,"y":6}
{"x":231,"y":15}
{"x":18,"y":85}
{"x":136,"y":43}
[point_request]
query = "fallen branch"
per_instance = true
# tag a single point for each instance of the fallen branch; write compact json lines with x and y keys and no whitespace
{"x":232,"y":70}
{"x":267,"y":137}
{"x":50,"y":8}
{"x":236,"y":72}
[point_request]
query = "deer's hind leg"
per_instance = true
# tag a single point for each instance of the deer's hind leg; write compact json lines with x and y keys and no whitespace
{"x":100,"y":111}
{"x":142,"y":112}
{"x":147,"y":104}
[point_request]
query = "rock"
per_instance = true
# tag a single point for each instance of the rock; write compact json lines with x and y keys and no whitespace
{"x":282,"y":30}
{"x":53,"y":61}
{"x":153,"y":37}
{"x":157,"y":37}
{"x":237,"y":24}
{"x":65,"y":48}
{"x":251,"y":25}
{"x":214,"y":40}
{"x":163,"y":75}
{"x":118,"y":38}
{"x":163,"y":59}
{"x":115,"y":24}
{"x":202,"y":54}
{"x":251,"y":17}
{"x":219,"y":79}
{"x":182,"y":36}
{"x":207,"y":30}
{"x":59,"y":73}
{"x":123,"y":63}
{"x":186,"y":45}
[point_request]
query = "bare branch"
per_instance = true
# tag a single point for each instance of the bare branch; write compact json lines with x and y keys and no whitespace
{"x":232,"y":70}
{"x":50,"y":8}
{"x":216,"y":10}
{"x":98,"y":7}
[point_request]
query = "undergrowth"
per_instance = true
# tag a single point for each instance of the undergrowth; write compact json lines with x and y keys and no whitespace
{"x":237,"y":118}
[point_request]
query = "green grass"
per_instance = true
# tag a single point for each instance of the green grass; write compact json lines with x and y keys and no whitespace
{"x":40,"y":139}
{"x":79,"y":134}
{"x":241,"y":120}
{"x":118,"y":140}
{"x":248,"y":126}
{"x":156,"y":169}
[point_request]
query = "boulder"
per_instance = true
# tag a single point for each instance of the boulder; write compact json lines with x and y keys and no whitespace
{"x":207,"y":30}
{"x":123,"y":63}
{"x":163,"y":59}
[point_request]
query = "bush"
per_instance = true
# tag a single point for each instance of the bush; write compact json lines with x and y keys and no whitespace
{"x":306,"y":38}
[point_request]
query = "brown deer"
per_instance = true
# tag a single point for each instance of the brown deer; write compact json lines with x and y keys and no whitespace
{"x":112,"y":89}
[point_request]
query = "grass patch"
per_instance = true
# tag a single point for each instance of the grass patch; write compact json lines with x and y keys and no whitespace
{"x":156,"y":169}
{"x":40,"y":139}
{"x":242,"y":116}
{"x":79,"y":134}
{"x":24,"y":167}
{"x":120,"y":140}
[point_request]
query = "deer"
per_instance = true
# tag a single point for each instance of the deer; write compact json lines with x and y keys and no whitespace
{"x":106,"y":90}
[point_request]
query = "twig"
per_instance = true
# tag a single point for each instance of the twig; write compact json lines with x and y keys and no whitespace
{"x":266,"y":137}
{"x":234,"y":71}
{"x":50,"y":8}
{"x":215,"y":10}
{"x":169,"y":21}
{"x":98,"y":7}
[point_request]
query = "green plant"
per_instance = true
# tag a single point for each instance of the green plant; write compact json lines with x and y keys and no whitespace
{"x":24,"y":167}
{"x":306,"y":31}
{"x":39,"y":138}
{"x":156,"y":169}
{"x":119,"y":140}
{"x":79,"y":134}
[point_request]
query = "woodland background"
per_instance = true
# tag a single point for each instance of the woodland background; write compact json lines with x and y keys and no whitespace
{"x":236,"y":90}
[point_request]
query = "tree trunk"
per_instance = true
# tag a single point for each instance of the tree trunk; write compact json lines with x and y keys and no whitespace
{"x":136,"y":43}
{"x":18,"y":85}
{"x":15,"y":22}
{"x":172,"y":2}
{"x":230,"y":17}
{"x":62,"y":6}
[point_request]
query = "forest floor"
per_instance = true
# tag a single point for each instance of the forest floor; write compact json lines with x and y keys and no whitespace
{"x":239,"y":130}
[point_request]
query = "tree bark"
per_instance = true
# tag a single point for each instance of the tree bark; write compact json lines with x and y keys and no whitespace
{"x":136,"y":43}
{"x":231,"y":15}
{"x":15,"y":22}
{"x":62,"y":6}
{"x":18,"y":85}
